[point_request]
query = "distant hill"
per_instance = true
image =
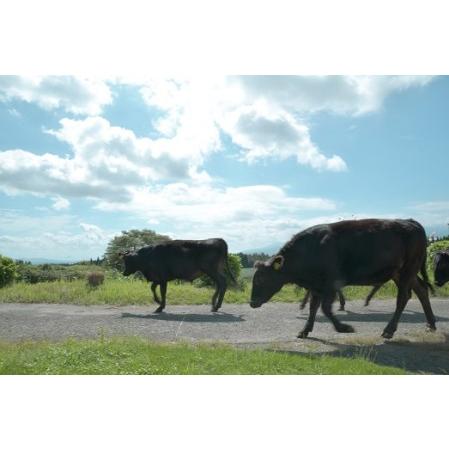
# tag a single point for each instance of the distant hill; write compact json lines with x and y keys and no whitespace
{"x":270,"y":249}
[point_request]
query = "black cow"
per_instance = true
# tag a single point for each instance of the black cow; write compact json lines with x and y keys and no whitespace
{"x":327,"y":257}
{"x":305,"y":300}
{"x":441,"y":267}
{"x":181,"y":259}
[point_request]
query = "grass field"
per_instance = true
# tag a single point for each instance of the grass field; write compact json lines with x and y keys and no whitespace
{"x":137,"y":356}
{"x":133,"y":291}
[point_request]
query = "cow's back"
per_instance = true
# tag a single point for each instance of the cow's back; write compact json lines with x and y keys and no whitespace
{"x":357,"y":252}
{"x":182,"y":259}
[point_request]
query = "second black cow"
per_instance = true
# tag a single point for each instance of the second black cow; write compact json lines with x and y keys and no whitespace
{"x":441,"y":264}
{"x":181,"y":259}
{"x":327,"y":257}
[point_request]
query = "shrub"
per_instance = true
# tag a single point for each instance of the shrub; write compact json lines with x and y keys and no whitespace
{"x":7,"y":270}
{"x":32,"y":274}
{"x":432,"y":249}
{"x":95,"y":279}
{"x":235,"y":266}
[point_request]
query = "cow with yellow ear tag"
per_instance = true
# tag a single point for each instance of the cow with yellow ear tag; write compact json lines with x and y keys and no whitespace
{"x":325,"y":258}
{"x":268,"y":280}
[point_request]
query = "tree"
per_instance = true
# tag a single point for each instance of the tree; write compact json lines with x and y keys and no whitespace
{"x":129,"y":241}
{"x":249,"y":259}
{"x":244,"y":260}
{"x":7,"y":270}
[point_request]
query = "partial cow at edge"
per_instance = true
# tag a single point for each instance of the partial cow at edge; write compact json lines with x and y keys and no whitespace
{"x":441,"y":267}
{"x":181,"y":259}
{"x":325,"y":258}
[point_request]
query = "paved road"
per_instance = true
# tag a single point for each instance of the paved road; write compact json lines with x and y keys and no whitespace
{"x":274,"y":325}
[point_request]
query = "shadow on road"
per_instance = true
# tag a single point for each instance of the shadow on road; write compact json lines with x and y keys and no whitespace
{"x":408,"y":316}
{"x":221,"y":317}
{"x":416,"y":357}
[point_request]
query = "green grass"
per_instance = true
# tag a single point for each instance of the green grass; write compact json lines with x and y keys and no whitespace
{"x":137,"y":356}
{"x":124,"y":291}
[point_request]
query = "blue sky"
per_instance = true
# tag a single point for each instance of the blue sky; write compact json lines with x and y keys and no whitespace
{"x":251,"y":159}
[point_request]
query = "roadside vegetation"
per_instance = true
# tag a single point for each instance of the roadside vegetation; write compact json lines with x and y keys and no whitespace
{"x":118,"y":290}
{"x":101,"y":282}
{"x":137,"y":356}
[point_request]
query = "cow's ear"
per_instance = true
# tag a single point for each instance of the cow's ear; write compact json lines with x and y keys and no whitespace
{"x":277,"y":262}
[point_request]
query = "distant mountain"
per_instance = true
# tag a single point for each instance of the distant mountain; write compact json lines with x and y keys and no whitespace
{"x":270,"y":250}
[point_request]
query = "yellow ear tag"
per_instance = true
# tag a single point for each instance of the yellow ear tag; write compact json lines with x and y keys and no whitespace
{"x":277,"y":265}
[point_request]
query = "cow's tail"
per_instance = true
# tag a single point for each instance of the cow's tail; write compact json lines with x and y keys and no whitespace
{"x":424,"y":275}
{"x":228,"y":268}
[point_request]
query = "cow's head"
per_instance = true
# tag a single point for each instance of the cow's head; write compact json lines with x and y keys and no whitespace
{"x":441,"y":273}
{"x":268,"y":280}
{"x":130,"y":262}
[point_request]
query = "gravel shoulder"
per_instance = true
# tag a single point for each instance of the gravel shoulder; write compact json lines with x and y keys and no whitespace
{"x":273,"y":326}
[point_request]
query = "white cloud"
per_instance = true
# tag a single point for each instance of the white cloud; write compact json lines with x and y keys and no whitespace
{"x":338,"y":94}
{"x":106,"y":161}
{"x":60,"y":203}
{"x":432,"y":213}
{"x":24,"y":236}
{"x":72,"y":94}
{"x":243,"y":215}
{"x":432,"y":206}
{"x":265,"y":116}
{"x":94,"y":233}
{"x":262,"y":114}
{"x":261,"y":127}
{"x":13,"y":220}
{"x":263,"y":132}
{"x":14,"y":112}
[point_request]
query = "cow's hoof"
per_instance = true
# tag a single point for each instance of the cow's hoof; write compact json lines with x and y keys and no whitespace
{"x":366,"y":304}
{"x":303,"y":334}
{"x":345,"y":328}
{"x":387,"y":334}
{"x":159,"y":310}
{"x":341,"y":309}
{"x":214,"y":309}
{"x":431,"y":328}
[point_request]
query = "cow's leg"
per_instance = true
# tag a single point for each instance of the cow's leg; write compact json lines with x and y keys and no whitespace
{"x":214,"y":276}
{"x":326,"y":307}
{"x":314,"y":304}
{"x":305,"y":300}
{"x":372,"y":293}
{"x":223,"y":285}
{"x":163,"y":287}
{"x":153,"y":289}
{"x":401,"y":302}
{"x":342,"y":299}
{"x":422,"y":292}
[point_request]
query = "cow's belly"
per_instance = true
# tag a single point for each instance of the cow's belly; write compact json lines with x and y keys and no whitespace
{"x":371,"y":278}
{"x":191,"y":276}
